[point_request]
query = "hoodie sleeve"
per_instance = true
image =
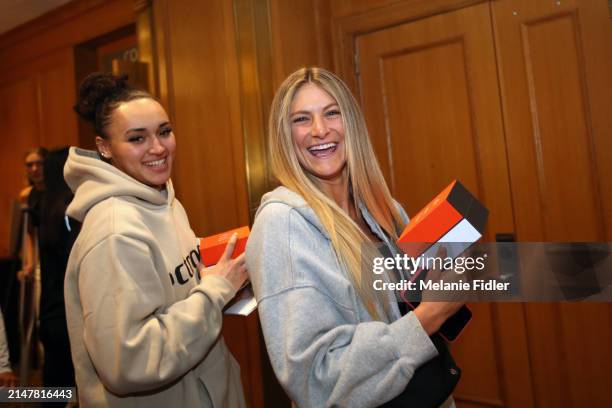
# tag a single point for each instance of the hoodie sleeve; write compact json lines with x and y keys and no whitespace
{"x":135,"y":343}
{"x":321,"y":351}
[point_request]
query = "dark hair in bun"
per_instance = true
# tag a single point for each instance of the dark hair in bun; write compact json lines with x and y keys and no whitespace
{"x":100,"y":94}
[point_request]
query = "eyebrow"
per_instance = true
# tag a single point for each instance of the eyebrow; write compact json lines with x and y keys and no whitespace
{"x":144,"y":129}
{"x":324,"y":108}
{"x":135,"y":130}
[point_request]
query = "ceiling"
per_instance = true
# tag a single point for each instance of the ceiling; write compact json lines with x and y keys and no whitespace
{"x":16,"y":12}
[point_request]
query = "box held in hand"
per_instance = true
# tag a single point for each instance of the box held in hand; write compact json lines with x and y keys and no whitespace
{"x":456,"y":220}
{"x":455,"y":216}
{"x":212,"y":247}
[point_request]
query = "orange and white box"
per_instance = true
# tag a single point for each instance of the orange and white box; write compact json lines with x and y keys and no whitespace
{"x":212,"y":247}
{"x":455,"y":217}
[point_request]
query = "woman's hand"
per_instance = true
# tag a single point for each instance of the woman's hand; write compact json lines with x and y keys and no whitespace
{"x":433,"y":313}
{"x":234,"y":270}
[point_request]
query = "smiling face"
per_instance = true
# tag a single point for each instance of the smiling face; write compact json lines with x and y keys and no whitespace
{"x":140,"y":141}
{"x":317,"y":131}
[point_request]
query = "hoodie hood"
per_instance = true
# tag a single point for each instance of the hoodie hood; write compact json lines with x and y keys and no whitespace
{"x":288,"y":197}
{"x":93,"y":180}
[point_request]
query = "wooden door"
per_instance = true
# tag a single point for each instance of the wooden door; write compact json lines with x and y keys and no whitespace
{"x":555,"y":59}
{"x":430,"y":94}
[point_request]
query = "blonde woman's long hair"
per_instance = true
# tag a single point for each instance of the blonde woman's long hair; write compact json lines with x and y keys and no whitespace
{"x":368,"y":185}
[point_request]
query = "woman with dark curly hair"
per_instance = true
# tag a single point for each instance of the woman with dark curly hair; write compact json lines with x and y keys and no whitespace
{"x":144,"y":324}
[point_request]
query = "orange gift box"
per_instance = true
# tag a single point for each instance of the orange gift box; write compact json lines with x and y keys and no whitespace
{"x":455,"y":215}
{"x":455,"y":219}
{"x":211,"y":248}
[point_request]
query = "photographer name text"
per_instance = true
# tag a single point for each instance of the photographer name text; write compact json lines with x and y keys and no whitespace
{"x":460,"y":285}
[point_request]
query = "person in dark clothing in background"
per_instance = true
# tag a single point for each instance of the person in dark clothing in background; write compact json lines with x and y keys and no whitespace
{"x":30,"y":199}
{"x":25,"y":323}
{"x":57,"y":234}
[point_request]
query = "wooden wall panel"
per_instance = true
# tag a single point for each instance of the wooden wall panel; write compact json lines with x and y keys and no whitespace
{"x":595,"y":22}
{"x":202,"y":70}
{"x":384,"y":10}
{"x":58,"y":123}
{"x":254,"y":52}
{"x":552,"y":57}
{"x":551,"y":140}
{"x":569,"y":367}
{"x":300,"y":36}
{"x":71,"y":24}
{"x":345,"y":8}
{"x":18,"y":113}
{"x":561,"y":136}
{"x":37,"y":82}
{"x":481,"y":384}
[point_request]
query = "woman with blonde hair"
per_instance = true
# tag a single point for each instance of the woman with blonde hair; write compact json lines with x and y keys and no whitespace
{"x":333,"y":340}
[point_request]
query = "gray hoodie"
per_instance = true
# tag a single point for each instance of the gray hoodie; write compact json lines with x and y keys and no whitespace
{"x":144,"y":329}
{"x":325,"y":348}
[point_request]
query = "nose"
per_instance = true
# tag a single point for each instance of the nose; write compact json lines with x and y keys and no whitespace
{"x":157,"y":147}
{"x":34,"y":167}
{"x":319,"y":127}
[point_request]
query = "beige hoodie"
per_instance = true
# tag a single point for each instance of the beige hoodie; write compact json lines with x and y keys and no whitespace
{"x":144,"y":329}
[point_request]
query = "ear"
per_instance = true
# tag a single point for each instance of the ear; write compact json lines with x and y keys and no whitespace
{"x":104,"y":148}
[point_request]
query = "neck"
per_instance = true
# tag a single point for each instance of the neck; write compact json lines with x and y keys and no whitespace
{"x":338,"y":190}
{"x":39,"y":186}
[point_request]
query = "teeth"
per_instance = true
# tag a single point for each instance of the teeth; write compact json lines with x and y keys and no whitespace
{"x":155,"y":163}
{"x":322,"y":146}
